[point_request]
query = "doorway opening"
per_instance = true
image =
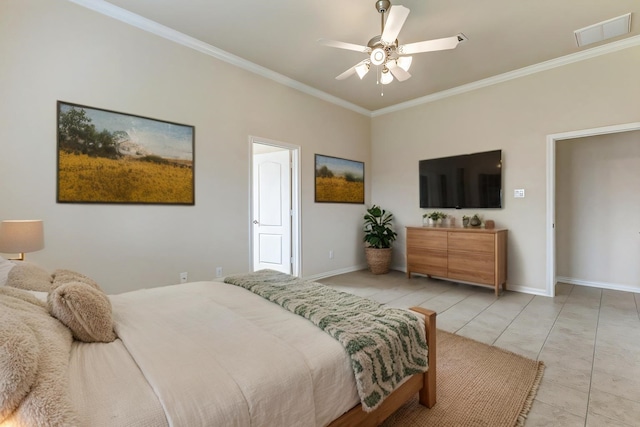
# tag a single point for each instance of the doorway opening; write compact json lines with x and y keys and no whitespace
{"x":551,"y":190}
{"x":275,"y":206}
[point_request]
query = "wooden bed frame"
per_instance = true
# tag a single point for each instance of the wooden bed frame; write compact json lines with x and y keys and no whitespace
{"x":424,"y":384}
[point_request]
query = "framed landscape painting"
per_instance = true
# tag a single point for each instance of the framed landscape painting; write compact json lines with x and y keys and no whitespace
{"x":338,"y":180}
{"x":110,"y":157}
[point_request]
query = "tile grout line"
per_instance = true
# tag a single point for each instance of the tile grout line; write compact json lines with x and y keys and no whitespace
{"x":593,"y":360}
{"x":513,"y":319}
{"x":474,"y":317}
{"x":554,"y":322}
{"x":416,"y":291}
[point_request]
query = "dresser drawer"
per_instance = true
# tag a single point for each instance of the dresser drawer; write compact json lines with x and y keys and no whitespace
{"x":432,"y":262}
{"x":473,"y":242}
{"x":478,"y":267}
{"x":427,"y":239}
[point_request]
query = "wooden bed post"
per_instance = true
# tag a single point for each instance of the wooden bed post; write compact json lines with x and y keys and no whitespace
{"x":428,"y":391}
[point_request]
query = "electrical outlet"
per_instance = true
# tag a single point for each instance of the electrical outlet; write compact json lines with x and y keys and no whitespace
{"x":184,"y":277}
{"x":218,"y":271}
{"x":331,"y":254}
{"x":519,"y":193}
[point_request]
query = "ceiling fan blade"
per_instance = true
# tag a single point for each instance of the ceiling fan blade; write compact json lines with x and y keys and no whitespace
{"x":346,"y":74}
{"x":353,"y":70}
{"x":343,"y":45}
{"x":398,"y":72}
{"x":397,"y":15}
{"x":429,"y":45}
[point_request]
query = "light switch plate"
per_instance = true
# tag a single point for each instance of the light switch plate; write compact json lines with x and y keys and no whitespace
{"x":518,"y":193}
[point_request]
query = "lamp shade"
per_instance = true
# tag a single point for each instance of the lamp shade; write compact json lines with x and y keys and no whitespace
{"x":21,"y":236}
{"x":404,"y":62}
{"x":386,"y":77}
{"x":362,"y":70}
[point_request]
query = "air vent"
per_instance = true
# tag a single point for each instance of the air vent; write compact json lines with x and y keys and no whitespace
{"x":604,"y":30}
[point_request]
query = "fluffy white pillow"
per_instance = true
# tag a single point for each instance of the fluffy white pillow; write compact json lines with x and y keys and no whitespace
{"x":18,"y":361}
{"x":85,"y":310}
{"x":62,"y":277}
{"x":28,"y":276}
{"x":5,"y":268}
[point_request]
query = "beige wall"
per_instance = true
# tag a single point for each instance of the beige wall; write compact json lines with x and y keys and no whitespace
{"x":515,"y":116}
{"x":60,"y":51}
{"x":597,"y":205}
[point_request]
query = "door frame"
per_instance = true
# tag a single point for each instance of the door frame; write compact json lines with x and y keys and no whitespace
{"x":551,"y":189}
{"x":296,"y":238}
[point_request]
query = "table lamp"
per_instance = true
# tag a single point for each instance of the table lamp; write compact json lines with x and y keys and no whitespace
{"x":20,"y":237}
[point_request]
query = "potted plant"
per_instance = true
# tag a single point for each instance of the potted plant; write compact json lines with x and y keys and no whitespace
{"x":379,"y":236}
{"x":435,"y":217}
{"x":465,"y":220}
{"x":475,"y":221}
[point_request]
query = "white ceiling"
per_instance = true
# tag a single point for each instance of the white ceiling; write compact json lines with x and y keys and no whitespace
{"x":281,"y":35}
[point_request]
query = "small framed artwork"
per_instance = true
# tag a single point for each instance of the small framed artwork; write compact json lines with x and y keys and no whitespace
{"x":338,"y":180}
{"x":110,"y":157}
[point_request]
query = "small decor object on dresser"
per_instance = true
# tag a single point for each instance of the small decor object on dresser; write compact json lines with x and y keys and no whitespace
{"x":489,"y":224}
{"x":475,"y":221}
{"x":434,"y":218}
{"x":379,"y":236}
{"x":465,"y":220}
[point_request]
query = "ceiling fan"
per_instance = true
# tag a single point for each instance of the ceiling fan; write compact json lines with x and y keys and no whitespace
{"x":384,"y":50}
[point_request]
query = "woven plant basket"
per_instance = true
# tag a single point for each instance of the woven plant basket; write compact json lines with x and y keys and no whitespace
{"x":378,"y":260}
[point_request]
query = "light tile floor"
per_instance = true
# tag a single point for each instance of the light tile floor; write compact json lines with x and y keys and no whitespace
{"x":588,"y":338}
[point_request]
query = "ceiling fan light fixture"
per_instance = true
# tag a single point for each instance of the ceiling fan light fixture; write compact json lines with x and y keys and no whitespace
{"x":386,"y":77}
{"x":362,"y":70}
{"x":404,"y":62}
{"x":378,"y":56}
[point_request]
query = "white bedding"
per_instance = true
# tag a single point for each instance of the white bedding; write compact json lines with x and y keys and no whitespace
{"x":213,"y":354}
{"x":108,"y":388}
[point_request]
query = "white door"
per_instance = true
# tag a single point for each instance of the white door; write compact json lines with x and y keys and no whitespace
{"x":272,"y":211}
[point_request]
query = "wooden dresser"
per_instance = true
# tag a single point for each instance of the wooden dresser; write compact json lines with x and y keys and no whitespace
{"x":471,"y":255}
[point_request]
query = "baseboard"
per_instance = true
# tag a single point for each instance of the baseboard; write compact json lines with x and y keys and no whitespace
{"x":528,"y":290}
{"x":335,"y":272}
{"x":602,"y":285}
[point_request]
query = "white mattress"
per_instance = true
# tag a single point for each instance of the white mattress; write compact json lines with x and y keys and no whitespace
{"x":209,"y":353}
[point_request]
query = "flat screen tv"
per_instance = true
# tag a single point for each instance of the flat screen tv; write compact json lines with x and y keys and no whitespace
{"x":469,"y":181}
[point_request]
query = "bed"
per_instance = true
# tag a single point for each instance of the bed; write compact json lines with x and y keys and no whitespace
{"x":202,"y":353}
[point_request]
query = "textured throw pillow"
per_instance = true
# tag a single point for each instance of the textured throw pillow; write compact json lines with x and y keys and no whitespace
{"x":85,"y":310}
{"x":34,"y":363}
{"x":30,"y":277}
{"x":18,"y":362}
{"x":5,"y":268}
{"x":62,"y":276}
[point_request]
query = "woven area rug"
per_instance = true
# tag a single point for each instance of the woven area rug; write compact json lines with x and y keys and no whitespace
{"x":477,"y":385}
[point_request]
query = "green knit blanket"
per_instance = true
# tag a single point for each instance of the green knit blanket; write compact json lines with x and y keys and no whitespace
{"x":385,"y":345}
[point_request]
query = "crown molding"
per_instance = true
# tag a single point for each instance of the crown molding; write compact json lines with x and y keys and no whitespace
{"x":108,"y":9}
{"x":516,"y":74}
{"x":153,"y":27}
